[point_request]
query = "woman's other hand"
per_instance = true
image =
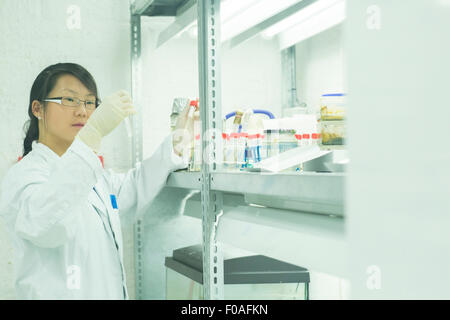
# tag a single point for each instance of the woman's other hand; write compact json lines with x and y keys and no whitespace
{"x":183,"y":134}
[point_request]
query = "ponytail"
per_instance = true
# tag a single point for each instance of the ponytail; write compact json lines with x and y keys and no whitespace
{"x":32,"y":134}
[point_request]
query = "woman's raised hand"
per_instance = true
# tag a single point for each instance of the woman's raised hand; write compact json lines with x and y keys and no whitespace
{"x":109,"y":114}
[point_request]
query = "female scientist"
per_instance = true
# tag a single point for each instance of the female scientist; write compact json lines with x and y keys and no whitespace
{"x":63,"y":210}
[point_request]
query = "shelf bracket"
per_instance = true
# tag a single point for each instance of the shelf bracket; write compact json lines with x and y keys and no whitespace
{"x":136,"y":122}
{"x":183,"y":21}
{"x":210,"y":115}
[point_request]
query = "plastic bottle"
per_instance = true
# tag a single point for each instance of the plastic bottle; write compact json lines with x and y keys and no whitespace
{"x":252,"y":142}
{"x":314,"y":139}
{"x":193,"y":105}
{"x":265,"y":148}
{"x":252,"y":149}
{"x":245,"y":122}
{"x":260,"y":138}
{"x":197,"y":152}
{"x":241,"y":150}
{"x":227,"y":151}
{"x":306,"y":138}
{"x":306,"y":135}
{"x":298,"y":136}
{"x":238,"y":148}
{"x":234,"y":138}
{"x":271,"y":138}
{"x":315,"y":134}
{"x":237,"y":121}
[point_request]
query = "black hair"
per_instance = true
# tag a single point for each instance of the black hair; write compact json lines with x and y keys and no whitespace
{"x":44,"y":83}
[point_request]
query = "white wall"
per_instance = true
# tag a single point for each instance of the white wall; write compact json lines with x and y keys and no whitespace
{"x":320,"y":66}
{"x":251,"y":76}
{"x":33,"y":35}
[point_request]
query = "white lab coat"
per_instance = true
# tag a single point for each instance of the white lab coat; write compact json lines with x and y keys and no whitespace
{"x":66,"y":234}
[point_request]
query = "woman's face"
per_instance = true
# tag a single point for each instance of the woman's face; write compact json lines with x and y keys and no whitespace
{"x":60,"y":124}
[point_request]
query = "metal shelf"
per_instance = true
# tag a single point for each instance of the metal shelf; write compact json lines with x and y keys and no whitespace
{"x":307,"y":185}
{"x":185,"y":180}
{"x":332,"y":147}
{"x":310,"y":186}
{"x":153,"y":8}
{"x":313,"y":241}
{"x":309,"y":191}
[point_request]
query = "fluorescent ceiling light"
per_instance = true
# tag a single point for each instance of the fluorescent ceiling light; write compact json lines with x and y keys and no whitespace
{"x":240,"y":15}
{"x":228,"y":9}
{"x":313,"y":25}
{"x":299,"y":17}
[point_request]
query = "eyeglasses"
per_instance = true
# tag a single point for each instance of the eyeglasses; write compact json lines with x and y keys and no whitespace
{"x":73,"y":102}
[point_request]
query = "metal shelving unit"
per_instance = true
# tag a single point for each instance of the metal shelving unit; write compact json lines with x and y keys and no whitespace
{"x":304,"y":222}
{"x":305,"y":218}
{"x":297,"y":218}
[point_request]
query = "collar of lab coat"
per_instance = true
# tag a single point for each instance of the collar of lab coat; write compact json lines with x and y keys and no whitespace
{"x":46,"y":151}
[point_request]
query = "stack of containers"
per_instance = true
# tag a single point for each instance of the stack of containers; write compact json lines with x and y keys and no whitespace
{"x":253,"y":142}
{"x":299,"y":137}
{"x":243,"y":141}
{"x":332,"y":116}
{"x":281,"y":135}
{"x":287,"y":132}
{"x":241,"y":150}
{"x":239,"y":140}
{"x":270,"y":147}
{"x":307,"y":130}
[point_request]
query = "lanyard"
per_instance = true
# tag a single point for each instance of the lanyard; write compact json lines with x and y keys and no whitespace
{"x":103,"y":220}
{"x":113,"y":236}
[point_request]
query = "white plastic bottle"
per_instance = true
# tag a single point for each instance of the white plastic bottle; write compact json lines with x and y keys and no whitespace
{"x":251,"y":150}
{"x":234,"y":138}
{"x":252,"y":142}
{"x":298,"y":136}
{"x":241,"y":155}
{"x":260,"y":139}
{"x":306,"y":139}
{"x":189,"y":157}
{"x":198,"y":154}
{"x":227,"y":150}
